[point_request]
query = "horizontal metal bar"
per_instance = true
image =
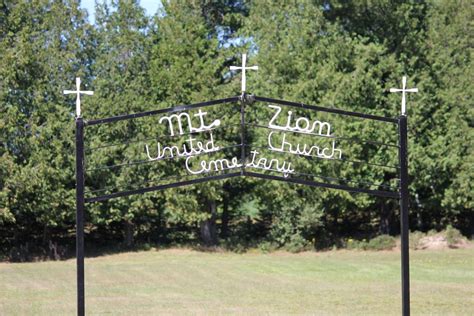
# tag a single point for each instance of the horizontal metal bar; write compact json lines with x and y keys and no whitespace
{"x":167,"y":110}
{"x":313,"y":157}
{"x":328,"y":110}
{"x":140,"y":162}
{"x":394,"y":195}
{"x":355,"y":140}
{"x":368,"y":184}
{"x":110,"y":188}
{"x":175,"y":177}
{"x":142,"y":140}
{"x":160,"y":187}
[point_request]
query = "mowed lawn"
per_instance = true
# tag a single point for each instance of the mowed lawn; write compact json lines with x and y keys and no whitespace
{"x":185,"y":282}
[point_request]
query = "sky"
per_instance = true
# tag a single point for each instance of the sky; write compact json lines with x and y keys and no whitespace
{"x":151,"y":6}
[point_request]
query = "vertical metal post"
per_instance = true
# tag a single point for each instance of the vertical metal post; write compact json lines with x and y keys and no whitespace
{"x":243,"y":100}
{"x":404,"y":230}
{"x":80,"y":215}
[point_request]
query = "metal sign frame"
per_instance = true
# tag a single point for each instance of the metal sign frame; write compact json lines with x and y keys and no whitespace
{"x":245,"y":99}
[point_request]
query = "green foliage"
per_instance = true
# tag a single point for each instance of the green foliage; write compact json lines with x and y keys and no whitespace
{"x":267,"y":247}
{"x":415,"y":239}
{"x":453,"y":236}
{"x":343,"y":54}
{"x":44,"y":45}
{"x":382,"y":242}
{"x":352,"y":244}
{"x":441,"y":120}
{"x":296,"y":244}
{"x":449,"y":237}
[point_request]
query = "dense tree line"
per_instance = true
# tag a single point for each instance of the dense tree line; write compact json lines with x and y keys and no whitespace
{"x":343,"y":54}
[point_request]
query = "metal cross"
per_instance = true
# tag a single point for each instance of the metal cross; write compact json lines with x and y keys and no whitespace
{"x":403,"y":90}
{"x":244,"y":60}
{"x":78,"y":92}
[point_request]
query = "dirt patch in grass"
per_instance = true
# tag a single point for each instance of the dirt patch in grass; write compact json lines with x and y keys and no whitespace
{"x":440,"y":241}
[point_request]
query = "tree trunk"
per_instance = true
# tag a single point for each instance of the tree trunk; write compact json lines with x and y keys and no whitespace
{"x":225,"y":220}
{"x":158,"y":230}
{"x":129,"y":230}
{"x":46,"y":235}
{"x":384,"y":225}
{"x":208,"y":227}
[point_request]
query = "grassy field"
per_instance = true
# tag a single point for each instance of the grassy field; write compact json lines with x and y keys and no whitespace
{"x":181,"y":282}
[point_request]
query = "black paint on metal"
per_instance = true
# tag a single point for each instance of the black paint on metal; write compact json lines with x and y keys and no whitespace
{"x":161,"y":187}
{"x":143,"y":140}
{"x":328,"y":110}
{"x":387,"y":194}
{"x":245,"y":99}
{"x":404,"y":223}
{"x":140,"y":162}
{"x":348,"y":139}
{"x":80,"y":216}
{"x":313,"y":157}
{"x":161,"y":111}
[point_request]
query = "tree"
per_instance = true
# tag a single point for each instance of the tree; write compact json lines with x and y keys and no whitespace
{"x":120,"y":69}
{"x":43,"y":46}
{"x":442,"y":121}
{"x":343,"y":54}
{"x":306,"y":58}
{"x":188,"y":65}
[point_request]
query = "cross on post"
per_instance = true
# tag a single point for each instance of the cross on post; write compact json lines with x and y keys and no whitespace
{"x":78,"y":92}
{"x":403,"y":90}
{"x":244,"y":61}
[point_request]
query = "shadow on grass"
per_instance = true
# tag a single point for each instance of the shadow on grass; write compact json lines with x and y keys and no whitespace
{"x":60,"y":252}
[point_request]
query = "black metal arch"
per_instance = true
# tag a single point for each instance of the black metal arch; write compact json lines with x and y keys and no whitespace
{"x":401,"y":193}
{"x":380,"y":193}
{"x":245,"y":99}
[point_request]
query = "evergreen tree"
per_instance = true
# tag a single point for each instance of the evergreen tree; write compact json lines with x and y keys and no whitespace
{"x":343,"y":54}
{"x":188,"y":65}
{"x":43,"y":46}
{"x":122,"y":85}
{"x":442,"y":133}
{"x":306,"y":58}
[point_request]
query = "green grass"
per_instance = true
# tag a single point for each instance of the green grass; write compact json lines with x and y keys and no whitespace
{"x":187,"y":282}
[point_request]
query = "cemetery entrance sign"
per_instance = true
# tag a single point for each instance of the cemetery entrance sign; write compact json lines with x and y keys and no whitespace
{"x":244,"y":135}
